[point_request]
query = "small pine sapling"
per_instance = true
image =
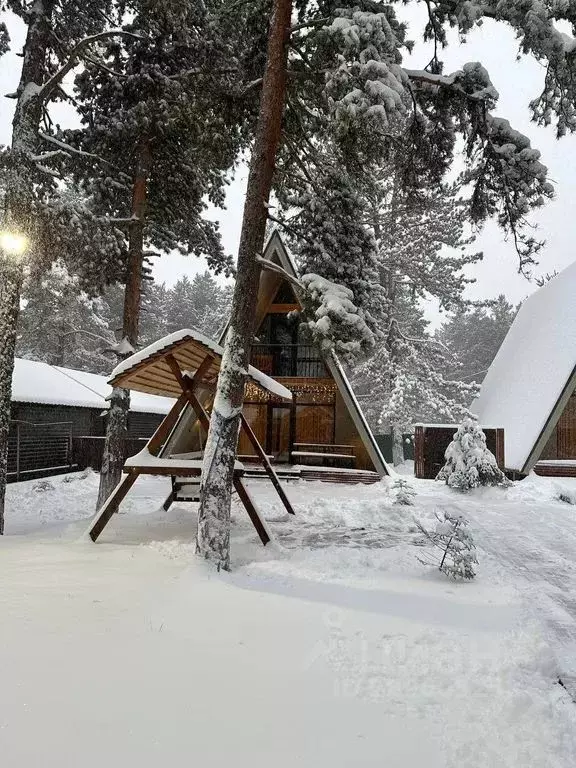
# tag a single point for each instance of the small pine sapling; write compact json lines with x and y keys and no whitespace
{"x":402,"y":492}
{"x":469,"y":463}
{"x":455,"y":542}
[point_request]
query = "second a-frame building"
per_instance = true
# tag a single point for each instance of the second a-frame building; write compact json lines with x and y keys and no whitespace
{"x":322,"y":430}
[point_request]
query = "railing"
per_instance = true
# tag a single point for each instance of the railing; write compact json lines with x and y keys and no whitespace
{"x":299,"y":360}
{"x":38,"y":447}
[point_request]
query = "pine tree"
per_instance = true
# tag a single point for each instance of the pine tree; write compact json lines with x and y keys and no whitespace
{"x":422,"y":251}
{"x":402,"y":492}
{"x":198,"y":303}
{"x":34,"y":205}
{"x":154,"y":312}
{"x":59,"y":324}
{"x":162,"y":117}
{"x":469,"y":463}
{"x":474,"y":337}
{"x":213,"y":539}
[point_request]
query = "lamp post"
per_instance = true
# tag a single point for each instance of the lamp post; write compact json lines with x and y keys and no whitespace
{"x":13,"y":247}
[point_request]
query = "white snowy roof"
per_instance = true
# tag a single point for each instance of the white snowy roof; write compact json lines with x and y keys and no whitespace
{"x":534,"y":372}
{"x":34,"y":382}
{"x":189,"y":347}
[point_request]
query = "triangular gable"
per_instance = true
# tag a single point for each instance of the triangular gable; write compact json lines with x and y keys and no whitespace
{"x":276,"y":251}
{"x":533,"y":375}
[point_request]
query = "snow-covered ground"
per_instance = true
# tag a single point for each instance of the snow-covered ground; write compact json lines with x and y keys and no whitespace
{"x":332,"y":647}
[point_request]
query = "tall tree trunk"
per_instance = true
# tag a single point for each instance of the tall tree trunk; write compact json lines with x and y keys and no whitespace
{"x":213,"y":540}
{"x":18,"y":208}
{"x":117,"y":421}
{"x":9,"y":307}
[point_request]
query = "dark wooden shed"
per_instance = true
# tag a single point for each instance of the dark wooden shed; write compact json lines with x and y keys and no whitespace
{"x":58,"y":419}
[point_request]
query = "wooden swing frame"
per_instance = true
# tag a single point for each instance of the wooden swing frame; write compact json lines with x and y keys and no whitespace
{"x":188,"y":386}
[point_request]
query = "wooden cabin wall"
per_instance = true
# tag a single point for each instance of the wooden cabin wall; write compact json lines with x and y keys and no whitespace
{"x":84,"y":421}
{"x":347,"y":434}
{"x":143,"y":424}
{"x":43,"y":437}
{"x":562,"y":442}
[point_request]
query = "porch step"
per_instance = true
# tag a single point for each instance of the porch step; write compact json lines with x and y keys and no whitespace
{"x":550,"y":468}
{"x":330,"y":475}
{"x":325,"y":474}
{"x":283,"y":474}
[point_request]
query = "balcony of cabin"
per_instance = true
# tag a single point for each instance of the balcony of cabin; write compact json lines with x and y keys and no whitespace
{"x":289,"y":360}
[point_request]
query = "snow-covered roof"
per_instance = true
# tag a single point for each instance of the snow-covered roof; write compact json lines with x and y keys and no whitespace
{"x":197,"y":345}
{"x":534,"y":373}
{"x":34,"y":382}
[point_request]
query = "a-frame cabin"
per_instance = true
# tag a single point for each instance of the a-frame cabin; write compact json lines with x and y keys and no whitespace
{"x":530,"y":387}
{"x":322,"y":432}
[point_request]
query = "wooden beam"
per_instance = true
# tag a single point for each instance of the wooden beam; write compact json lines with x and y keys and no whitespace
{"x":202,"y":370}
{"x":166,"y":425}
{"x":163,"y":469}
{"x":283,"y":309}
{"x":266,"y":463}
{"x":251,"y":509}
{"x":111,"y":505}
{"x":168,"y":502}
{"x":188,"y":388}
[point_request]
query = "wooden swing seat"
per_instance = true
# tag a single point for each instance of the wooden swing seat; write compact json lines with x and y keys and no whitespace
{"x":166,"y":361}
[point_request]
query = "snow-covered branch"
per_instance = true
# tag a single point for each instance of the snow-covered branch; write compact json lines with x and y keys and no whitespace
{"x":75,"y":331}
{"x":67,"y":149}
{"x":46,"y":91}
{"x":271,"y":267}
{"x":472,"y":74}
{"x":311,"y":23}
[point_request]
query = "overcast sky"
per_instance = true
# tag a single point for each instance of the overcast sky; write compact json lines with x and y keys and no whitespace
{"x":516,"y":81}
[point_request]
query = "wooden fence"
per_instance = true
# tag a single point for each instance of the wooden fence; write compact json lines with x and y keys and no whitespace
{"x":431,"y":441}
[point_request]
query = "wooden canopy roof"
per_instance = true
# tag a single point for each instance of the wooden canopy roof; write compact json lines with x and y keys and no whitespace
{"x":152,"y":368}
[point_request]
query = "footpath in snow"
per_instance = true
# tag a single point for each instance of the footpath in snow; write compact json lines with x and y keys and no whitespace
{"x":332,"y":647}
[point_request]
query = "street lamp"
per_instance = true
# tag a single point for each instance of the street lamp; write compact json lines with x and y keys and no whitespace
{"x":13,"y":243}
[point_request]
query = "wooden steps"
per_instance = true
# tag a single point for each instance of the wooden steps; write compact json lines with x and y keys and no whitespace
{"x":288,"y":473}
{"x":324,"y":474}
{"x":555,"y":468}
{"x":334,"y":475}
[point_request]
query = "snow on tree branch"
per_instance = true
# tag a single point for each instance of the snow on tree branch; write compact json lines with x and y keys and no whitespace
{"x":332,"y":317}
{"x":47,"y":90}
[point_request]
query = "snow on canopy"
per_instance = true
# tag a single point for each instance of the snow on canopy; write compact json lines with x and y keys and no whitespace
{"x":534,"y":372}
{"x":35,"y":382}
{"x":194,"y":335}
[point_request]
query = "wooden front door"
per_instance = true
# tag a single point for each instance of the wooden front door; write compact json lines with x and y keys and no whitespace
{"x":256,"y":416}
{"x":279,"y":434}
{"x":314,"y":424}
